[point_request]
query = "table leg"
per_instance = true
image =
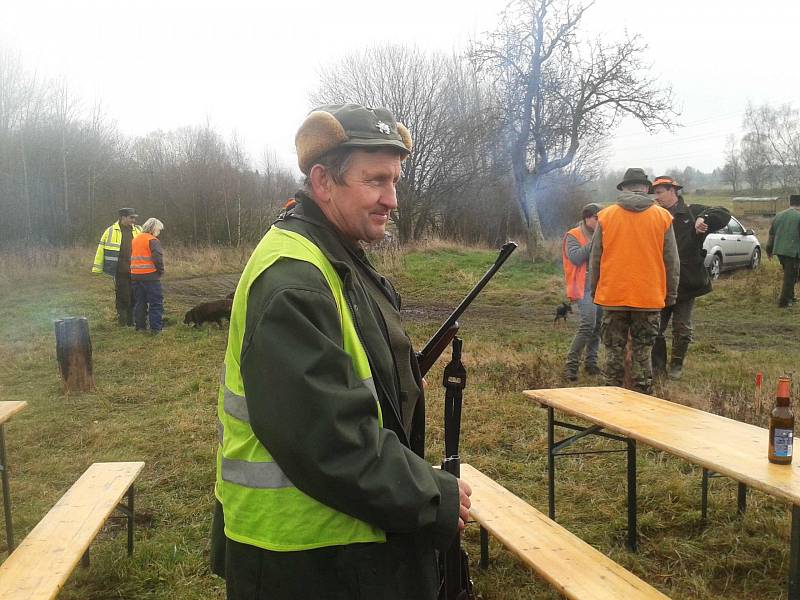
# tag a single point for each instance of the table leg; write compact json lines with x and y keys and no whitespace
{"x":551,"y":466}
{"x":794,"y":555}
{"x":704,"y":498}
{"x":6,"y":492}
{"x":742,"y":499}
{"x":632,"y":528}
{"x":484,"y":548}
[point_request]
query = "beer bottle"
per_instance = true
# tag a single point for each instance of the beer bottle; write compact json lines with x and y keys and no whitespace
{"x":781,"y":425}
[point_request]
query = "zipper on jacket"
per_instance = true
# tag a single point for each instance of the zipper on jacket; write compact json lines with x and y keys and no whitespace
{"x":353,"y":310}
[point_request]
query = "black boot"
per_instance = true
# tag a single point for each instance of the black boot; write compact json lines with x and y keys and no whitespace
{"x":659,"y":356}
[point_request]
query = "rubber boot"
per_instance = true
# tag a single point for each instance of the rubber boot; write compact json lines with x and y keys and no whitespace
{"x":679,"y":348}
{"x":659,"y":356}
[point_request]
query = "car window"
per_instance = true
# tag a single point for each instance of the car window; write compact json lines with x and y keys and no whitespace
{"x":734,"y":227}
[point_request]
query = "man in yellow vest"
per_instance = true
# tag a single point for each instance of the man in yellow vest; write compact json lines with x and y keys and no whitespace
{"x":634,"y":269}
{"x":113,"y":257}
{"x":575,"y":249}
{"x":322,"y":485}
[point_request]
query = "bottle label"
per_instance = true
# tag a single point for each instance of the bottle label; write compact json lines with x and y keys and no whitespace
{"x":783,"y":442}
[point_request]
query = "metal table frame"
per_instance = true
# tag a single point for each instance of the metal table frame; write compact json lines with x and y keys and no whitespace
{"x":6,"y":490}
{"x":554,"y":449}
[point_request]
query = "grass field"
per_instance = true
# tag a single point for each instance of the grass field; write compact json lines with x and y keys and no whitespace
{"x":156,"y":401}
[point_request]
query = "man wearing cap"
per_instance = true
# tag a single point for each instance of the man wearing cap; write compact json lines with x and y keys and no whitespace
{"x":634,"y":269}
{"x":691,"y":223}
{"x":784,"y":241}
{"x":113,"y":257}
{"x":321,"y":480}
{"x":575,"y":249}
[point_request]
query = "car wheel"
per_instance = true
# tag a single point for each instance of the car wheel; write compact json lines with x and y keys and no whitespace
{"x":715,"y":268}
{"x":755,"y":260}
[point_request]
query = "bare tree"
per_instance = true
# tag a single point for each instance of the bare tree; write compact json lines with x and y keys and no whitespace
{"x":732,"y":171}
{"x":437,"y":98}
{"x":559,"y":93}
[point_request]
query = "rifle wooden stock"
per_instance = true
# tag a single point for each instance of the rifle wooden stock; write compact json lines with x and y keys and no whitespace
{"x":434,"y":350}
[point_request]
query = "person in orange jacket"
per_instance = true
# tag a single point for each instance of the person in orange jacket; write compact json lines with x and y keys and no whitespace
{"x":575,"y":249}
{"x":635,"y":270}
{"x":147,"y":267}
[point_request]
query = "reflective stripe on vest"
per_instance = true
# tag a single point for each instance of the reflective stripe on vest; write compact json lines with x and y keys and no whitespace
{"x":141,"y":255}
{"x":107,"y":255}
{"x":632,"y":271}
{"x":262,"y":507}
{"x":574,"y":275}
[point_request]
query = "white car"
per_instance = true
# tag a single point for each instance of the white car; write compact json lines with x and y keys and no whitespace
{"x":731,"y":247}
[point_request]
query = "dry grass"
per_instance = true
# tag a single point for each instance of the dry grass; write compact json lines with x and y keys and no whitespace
{"x":155,"y":402}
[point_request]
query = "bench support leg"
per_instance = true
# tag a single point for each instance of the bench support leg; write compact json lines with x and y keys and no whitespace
{"x":632,"y":527}
{"x":551,"y":466}
{"x":704,"y":498}
{"x":127,"y":510}
{"x":6,"y":491}
{"x":484,"y":548}
{"x":794,"y":555}
{"x":742,"y":499}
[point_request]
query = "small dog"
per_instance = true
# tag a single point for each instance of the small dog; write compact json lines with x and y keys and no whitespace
{"x":562,"y":310}
{"x":209,"y":311}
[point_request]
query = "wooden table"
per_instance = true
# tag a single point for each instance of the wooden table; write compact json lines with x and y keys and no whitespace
{"x":7,"y":410}
{"x":718,"y":444}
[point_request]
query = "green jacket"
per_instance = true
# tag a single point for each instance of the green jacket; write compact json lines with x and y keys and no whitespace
{"x":323,"y":433}
{"x":784,"y":234}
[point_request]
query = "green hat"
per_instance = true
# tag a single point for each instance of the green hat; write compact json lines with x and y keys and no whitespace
{"x":634,"y":176}
{"x":590,"y":210}
{"x":351,"y":126}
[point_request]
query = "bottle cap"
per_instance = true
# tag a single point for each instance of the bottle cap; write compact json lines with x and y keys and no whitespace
{"x":784,"y":387}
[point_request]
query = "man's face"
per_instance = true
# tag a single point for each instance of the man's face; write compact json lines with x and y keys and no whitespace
{"x":591,"y":222}
{"x":129,"y":221}
{"x":360,"y":207}
{"x":665,"y":195}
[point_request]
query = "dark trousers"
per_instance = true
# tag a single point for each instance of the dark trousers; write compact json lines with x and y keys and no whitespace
{"x":149,"y":304}
{"x":124,"y":299}
{"x":790,"y":266}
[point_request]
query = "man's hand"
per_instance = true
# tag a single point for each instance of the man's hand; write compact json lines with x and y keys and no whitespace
{"x":464,"y":492}
{"x":700,"y":225}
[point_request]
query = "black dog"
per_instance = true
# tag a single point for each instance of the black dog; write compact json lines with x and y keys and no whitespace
{"x":562,"y":310}
{"x":209,"y":311}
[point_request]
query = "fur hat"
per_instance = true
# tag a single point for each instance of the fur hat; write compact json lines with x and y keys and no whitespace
{"x":348,"y":125}
{"x":634,"y":176}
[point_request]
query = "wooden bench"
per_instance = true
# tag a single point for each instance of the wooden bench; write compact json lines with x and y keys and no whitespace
{"x":570,"y":565}
{"x":41,"y":564}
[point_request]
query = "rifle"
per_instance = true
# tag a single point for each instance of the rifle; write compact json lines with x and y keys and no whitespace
{"x":456,"y":583}
{"x":442,"y":338}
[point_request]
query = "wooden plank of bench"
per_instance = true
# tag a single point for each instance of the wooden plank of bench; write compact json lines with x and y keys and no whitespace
{"x":41,"y":564}
{"x":574,"y":568}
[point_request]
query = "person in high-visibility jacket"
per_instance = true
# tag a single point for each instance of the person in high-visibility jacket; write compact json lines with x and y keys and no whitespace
{"x":147,"y":267}
{"x":575,"y":249}
{"x":113,"y":257}
{"x":322,"y":486}
{"x":634,"y":269}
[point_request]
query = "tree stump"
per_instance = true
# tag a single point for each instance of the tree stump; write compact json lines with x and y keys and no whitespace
{"x":74,"y":354}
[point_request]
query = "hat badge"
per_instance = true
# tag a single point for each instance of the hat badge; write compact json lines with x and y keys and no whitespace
{"x":384,"y":128}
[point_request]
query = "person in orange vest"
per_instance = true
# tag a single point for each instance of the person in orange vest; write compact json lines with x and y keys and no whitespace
{"x":147,"y":267}
{"x":634,"y":269}
{"x":575,"y":249}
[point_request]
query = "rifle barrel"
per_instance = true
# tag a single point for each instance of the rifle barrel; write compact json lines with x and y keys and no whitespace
{"x":505,"y":252}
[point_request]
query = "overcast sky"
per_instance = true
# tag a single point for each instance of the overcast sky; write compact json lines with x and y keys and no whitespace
{"x":246,"y":66}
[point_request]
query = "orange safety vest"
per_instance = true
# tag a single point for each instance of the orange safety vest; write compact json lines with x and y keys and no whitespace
{"x":141,"y":257}
{"x":632,"y":271}
{"x":574,"y":276}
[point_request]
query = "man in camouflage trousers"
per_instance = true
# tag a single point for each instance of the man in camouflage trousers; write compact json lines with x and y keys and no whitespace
{"x":634,"y":267}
